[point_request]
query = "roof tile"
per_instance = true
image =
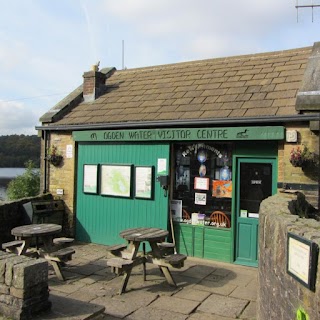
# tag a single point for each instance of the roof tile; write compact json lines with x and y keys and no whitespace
{"x":169,"y":115}
{"x":215,"y":114}
{"x":281,"y":94}
{"x":150,"y":109}
{"x":244,"y":97}
{"x":255,"y":85}
{"x":259,"y":112}
{"x":227,"y":98}
{"x":257,"y":104}
{"x":258,"y":96}
{"x":211,"y":106}
{"x":238,"y":112}
{"x":192,"y":115}
{"x":284,"y":111}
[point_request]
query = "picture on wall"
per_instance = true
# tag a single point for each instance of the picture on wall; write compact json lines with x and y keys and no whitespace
{"x":116,"y":180}
{"x":90,"y":178}
{"x":200,"y":198}
{"x":144,"y":182}
{"x":222,"y":188}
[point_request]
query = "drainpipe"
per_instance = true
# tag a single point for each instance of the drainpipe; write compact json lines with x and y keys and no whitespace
{"x":45,"y":162}
{"x":319,"y":169}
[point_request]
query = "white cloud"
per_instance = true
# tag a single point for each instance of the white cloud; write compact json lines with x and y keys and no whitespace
{"x":47,"y":45}
{"x":15,"y":115}
{"x":204,"y":29}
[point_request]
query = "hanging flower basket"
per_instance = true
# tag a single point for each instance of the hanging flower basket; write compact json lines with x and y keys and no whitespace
{"x":302,"y":158}
{"x":55,"y":159}
{"x":53,"y":156}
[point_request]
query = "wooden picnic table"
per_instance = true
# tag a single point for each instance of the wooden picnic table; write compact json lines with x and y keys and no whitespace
{"x":130,"y":258}
{"x":26,"y":232}
{"x":49,"y":251}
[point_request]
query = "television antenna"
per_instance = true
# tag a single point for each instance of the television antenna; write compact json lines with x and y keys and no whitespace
{"x":311,"y":5}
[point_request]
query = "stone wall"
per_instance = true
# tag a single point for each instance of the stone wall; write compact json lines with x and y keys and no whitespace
{"x":11,"y":215}
{"x":62,"y":176}
{"x":303,"y":179}
{"x":23,"y":286}
{"x":279,"y":294}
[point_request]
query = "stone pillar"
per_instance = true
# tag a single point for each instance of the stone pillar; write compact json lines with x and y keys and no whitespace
{"x":23,"y":286}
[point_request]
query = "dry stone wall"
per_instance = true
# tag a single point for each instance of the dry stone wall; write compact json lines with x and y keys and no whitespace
{"x":23,"y":286}
{"x":279,"y":294}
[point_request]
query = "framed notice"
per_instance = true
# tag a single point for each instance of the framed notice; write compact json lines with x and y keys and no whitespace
{"x":144,"y":182}
{"x":162,"y":167}
{"x":200,"y":198}
{"x":90,"y":178}
{"x":115,"y":180}
{"x":302,"y":258}
{"x":201,"y":183}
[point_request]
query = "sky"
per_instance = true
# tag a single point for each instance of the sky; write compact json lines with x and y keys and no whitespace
{"x":46,"y":46}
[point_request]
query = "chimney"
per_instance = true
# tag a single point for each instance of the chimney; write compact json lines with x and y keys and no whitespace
{"x":93,"y":83}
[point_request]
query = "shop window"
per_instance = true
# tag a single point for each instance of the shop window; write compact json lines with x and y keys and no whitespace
{"x":202,"y":187}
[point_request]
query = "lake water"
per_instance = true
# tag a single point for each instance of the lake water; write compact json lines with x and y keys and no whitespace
{"x":6,"y":175}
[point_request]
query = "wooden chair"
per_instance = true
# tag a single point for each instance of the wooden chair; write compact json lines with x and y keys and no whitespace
{"x":220,"y":218}
{"x":185,"y":214}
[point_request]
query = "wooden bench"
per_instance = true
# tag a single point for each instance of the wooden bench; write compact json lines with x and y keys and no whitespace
{"x":58,"y":258}
{"x":119,"y":265}
{"x":15,"y":246}
{"x":62,"y":241}
{"x":116,"y":249}
{"x":176,"y":260}
{"x":166,"y":248}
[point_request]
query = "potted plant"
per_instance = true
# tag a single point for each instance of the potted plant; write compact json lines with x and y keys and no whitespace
{"x":54,"y":156}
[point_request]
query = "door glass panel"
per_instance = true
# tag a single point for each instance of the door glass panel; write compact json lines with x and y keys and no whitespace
{"x":255,"y":185}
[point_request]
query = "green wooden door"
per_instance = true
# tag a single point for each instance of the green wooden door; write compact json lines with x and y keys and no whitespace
{"x":256,"y":180}
{"x":100,"y":218}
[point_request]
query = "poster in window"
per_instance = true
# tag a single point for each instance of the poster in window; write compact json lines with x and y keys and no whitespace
{"x":222,"y":188}
{"x":90,"y":178}
{"x":115,"y":180}
{"x":144,"y":182}
{"x":176,"y":210}
{"x":201,"y":183}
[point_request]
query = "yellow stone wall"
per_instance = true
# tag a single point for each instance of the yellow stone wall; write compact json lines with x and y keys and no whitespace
{"x":62,"y":176}
{"x":287,"y":173}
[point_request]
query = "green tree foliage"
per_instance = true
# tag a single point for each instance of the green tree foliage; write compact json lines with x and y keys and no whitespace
{"x":26,"y":185}
{"x":16,"y":150}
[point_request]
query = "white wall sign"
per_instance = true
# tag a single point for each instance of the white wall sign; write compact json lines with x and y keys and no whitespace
{"x":291,"y":136}
{"x":302,"y":258}
{"x":69,"y":151}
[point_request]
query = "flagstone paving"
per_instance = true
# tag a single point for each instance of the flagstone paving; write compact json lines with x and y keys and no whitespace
{"x":207,"y":290}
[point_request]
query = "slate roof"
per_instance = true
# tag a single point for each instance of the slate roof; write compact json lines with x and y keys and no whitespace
{"x":257,"y":85}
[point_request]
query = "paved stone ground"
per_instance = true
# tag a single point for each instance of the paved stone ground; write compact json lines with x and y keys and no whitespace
{"x":207,"y":290}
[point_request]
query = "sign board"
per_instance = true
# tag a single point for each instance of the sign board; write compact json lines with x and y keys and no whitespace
{"x":302,"y":258}
{"x":180,"y":134}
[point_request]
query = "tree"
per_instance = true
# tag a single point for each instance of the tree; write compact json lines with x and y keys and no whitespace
{"x":26,"y":185}
{"x":15,"y":150}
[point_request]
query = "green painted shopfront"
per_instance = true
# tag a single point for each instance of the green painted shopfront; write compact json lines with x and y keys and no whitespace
{"x":192,"y":147}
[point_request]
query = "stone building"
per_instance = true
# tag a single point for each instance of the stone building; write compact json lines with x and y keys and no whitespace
{"x":143,"y":146}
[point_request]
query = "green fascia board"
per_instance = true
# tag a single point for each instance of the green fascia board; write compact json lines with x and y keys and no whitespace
{"x":181,"y":134}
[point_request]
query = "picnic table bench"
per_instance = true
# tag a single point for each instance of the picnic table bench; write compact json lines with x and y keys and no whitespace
{"x":53,"y":249}
{"x":127,"y":256}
